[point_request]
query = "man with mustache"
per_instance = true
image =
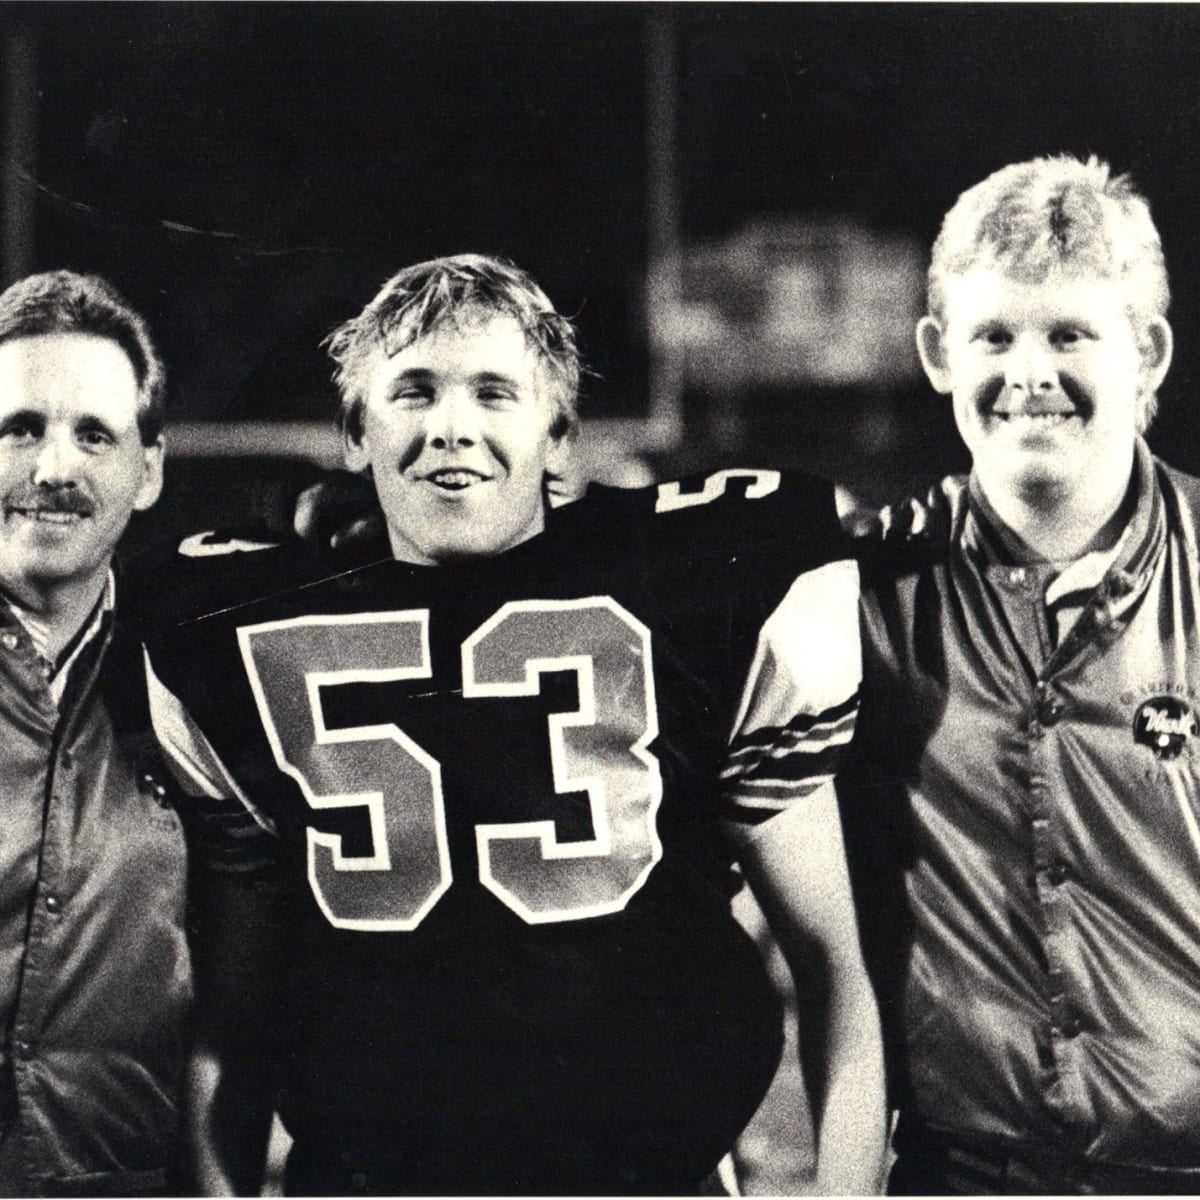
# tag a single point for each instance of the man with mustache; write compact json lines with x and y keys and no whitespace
{"x":1022,"y":800}
{"x":94,"y":967}
{"x":474,"y":800}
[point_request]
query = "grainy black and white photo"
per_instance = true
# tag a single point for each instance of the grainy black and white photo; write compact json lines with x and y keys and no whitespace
{"x":599,"y":599}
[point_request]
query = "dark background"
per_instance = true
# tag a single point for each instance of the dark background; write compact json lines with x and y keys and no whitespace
{"x":250,"y":173}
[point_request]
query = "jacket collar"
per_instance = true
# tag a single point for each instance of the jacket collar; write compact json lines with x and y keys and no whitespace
{"x":985,"y":538}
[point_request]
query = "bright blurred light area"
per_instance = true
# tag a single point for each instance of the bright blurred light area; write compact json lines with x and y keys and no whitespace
{"x":797,"y":301}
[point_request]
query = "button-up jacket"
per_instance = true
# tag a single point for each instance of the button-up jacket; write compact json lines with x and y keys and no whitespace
{"x":1025,"y":825}
{"x":94,"y":967}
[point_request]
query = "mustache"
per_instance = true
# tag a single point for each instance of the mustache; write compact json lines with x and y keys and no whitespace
{"x":59,"y":501}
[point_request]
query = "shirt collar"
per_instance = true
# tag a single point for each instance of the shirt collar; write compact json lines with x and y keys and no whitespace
{"x":39,"y":634}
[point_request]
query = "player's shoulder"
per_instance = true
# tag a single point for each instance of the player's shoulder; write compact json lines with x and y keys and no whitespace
{"x":213,"y":571}
{"x":722,"y":512}
{"x":728,"y":490}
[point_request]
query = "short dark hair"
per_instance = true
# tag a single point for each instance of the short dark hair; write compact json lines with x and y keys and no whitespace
{"x":418,"y":299}
{"x":66,"y":302}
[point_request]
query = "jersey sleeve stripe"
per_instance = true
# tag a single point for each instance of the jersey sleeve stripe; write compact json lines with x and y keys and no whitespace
{"x":788,"y":766}
{"x":835,"y":725}
{"x":801,"y":697}
{"x":776,"y":795}
{"x":796,"y":772}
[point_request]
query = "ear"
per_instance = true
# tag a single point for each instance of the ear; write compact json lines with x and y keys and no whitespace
{"x":354,"y":450}
{"x":558,"y":452}
{"x":931,"y":346}
{"x":1156,"y":345}
{"x":152,"y":479}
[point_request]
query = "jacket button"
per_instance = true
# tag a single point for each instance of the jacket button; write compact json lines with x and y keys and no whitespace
{"x":1050,"y":710}
{"x":1070,"y":1026}
{"x":53,"y":904}
{"x":9,"y":640}
{"x":1057,"y":873}
{"x":22,"y":1049}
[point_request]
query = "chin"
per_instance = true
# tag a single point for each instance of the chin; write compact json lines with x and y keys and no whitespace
{"x":48,"y":563}
{"x":460,"y":550}
{"x":1040,"y":487}
{"x":1035,"y":464}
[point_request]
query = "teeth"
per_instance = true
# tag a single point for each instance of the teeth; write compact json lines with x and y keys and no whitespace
{"x":1048,"y":418}
{"x":51,"y":518}
{"x":455,"y":479}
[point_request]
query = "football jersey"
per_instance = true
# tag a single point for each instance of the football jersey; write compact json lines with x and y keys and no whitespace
{"x":499,"y":795}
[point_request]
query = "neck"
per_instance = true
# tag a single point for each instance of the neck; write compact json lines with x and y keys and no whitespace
{"x":1052,"y":528}
{"x":62,"y":607}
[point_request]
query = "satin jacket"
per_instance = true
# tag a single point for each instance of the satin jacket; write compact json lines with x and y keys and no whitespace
{"x":1024,"y":823}
{"x":95,"y":976}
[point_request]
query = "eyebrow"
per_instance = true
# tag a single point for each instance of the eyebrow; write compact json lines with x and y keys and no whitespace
{"x":90,"y":421}
{"x":424,"y":375}
{"x":27,"y":415}
{"x":1083,"y":324}
{"x":413,"y":375}
{"x":494,"y":377}
{"x":984,"y":327}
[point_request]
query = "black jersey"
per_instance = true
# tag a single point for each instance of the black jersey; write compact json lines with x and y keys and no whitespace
{"x":500,"y":793}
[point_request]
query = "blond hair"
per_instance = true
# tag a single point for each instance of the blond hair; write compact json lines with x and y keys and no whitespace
{"x":1056,"y":213}
{"x":1031,"y":217}
{"x":420,"y":298}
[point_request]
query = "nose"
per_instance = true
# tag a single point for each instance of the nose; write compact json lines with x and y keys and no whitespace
{"x":453,"y":421}
{"x":57,"y":461}
{"x":1030,"y":365}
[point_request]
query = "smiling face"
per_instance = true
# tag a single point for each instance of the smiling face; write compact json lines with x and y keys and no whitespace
{"x":1049,"y":381}
{"x":72,"y":464}
{"x":456,"y":431}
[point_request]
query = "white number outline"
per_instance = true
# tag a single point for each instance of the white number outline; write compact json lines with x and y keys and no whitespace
{"x":544,"y":831}
{"x":380,"y":860}
{"x":551,"y":849}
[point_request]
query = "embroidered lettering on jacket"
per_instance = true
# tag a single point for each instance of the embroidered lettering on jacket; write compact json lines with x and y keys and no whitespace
{"x":1164,"y":724}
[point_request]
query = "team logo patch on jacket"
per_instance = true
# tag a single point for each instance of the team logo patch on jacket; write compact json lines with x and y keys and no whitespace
{"x":1164,"y":724}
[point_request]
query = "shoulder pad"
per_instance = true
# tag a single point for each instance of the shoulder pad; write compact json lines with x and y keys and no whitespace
{"x":209,"y":572}
{"x":716,"y":490}
{"x":734,"y":515}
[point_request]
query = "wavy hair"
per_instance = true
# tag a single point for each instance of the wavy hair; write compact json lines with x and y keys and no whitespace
{"x":66,"y":302}
{"x":420,"y":298}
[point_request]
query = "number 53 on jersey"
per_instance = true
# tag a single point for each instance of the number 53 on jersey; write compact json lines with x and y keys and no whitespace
{"x":601,"y":749}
